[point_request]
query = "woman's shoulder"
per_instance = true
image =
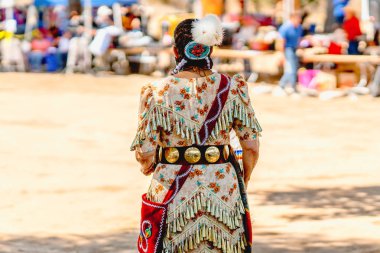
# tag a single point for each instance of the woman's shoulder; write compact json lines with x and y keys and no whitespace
{"x":239,"y":88}
{"x":159,"y":86}
{"x":150,"y":88}
{"x":238,"y":78}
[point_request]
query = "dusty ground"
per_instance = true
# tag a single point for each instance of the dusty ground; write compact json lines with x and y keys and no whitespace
{"x":69,"y":184}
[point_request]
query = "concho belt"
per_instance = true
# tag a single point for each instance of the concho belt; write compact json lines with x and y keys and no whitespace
{"x":193,"y":154}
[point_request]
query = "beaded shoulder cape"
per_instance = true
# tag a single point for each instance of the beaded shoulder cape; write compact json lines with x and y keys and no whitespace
{"x":178,"y":106}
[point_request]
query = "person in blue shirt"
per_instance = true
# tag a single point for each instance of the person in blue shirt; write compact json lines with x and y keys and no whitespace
{"x":338,"y":10}
{"x":290,"y":33}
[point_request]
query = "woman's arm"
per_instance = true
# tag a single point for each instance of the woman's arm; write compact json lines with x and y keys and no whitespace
{"x":147,"y":161}
{"x":250,"y":157}
{"x":145,"y":142}
{"x":246,"y":126}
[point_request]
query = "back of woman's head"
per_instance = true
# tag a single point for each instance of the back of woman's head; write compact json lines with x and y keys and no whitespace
{"x":193,"y":40}
{"x":182,"y":36}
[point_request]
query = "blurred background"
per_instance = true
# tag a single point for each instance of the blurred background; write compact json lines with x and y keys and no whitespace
{"x":71,"y":74}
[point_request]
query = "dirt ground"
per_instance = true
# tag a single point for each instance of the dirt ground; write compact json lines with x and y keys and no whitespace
{"x":69,"y":183}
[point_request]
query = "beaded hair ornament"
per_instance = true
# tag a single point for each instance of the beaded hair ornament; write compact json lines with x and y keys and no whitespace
{"x":206,"y":32}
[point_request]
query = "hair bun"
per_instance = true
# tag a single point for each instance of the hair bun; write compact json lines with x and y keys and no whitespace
{"x":208,"y":31}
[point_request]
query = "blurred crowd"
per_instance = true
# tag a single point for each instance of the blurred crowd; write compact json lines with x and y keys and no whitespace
{"x":51,"y":39}
{"x":54,"y":39}
{"x":346,"y":38}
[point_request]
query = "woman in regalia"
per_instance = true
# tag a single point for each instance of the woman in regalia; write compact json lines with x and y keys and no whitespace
{"x":183,"y":139}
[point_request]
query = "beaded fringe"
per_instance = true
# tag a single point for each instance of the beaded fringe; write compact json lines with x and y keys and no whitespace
{"x":210,"y":205}
{"x":206,"y":230}
{"x":168,"y":119}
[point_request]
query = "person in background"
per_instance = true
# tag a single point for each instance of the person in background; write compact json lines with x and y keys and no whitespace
{"x":338,"y":41}
{"x":374,"y":11}
{"x":63,"y":49}
{"x":55,"y":32}
{"x":338,"y":10}
{"x":20,"y":16}
{"x":61,"y":18}
{"x":39,"y":48}
{"x":127,"y":17}
{"x":51,"y":57}
{"x":135,"y":37}
{"x":136,"y":11}
{"x":75,"y":24}
{"x":351,"y":26}
{"x":136,"y":25}
{"x":103,"y":17}
{"x":307,"y":27}
{"x":192,"y":89}
{"x":290,"y":33}
{"x":246,"y":32}
{"x":166,"y":38}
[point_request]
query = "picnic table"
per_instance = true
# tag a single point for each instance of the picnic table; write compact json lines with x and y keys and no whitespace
{"x":152,"y":48}
{"x":255,"y":61}
{"x":345,"y":59}
{"x":355,"y":63}
{"x":237,"y":54}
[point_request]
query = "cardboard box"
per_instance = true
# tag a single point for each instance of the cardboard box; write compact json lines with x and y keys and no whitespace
{"x":325,"y":80}
{"x":347,"y":80}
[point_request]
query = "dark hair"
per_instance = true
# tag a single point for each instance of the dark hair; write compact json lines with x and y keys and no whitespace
{"x":182,"y":36}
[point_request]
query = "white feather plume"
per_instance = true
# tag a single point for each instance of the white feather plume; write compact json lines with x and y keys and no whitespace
{"x":208,"y":31}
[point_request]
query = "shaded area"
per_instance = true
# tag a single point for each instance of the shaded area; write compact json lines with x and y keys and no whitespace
{"x":290,"y":244}
{"x":124,"y":242}
{"x":118,"y":242}
{"x":336,"y":202}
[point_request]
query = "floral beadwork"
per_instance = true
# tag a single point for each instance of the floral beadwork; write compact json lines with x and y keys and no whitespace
{"x":196,"y":51}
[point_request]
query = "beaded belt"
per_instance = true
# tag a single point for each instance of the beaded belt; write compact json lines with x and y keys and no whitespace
{"x":193,"y":154}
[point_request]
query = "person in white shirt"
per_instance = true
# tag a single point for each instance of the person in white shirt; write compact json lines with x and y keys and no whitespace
{"x":63,"y":49}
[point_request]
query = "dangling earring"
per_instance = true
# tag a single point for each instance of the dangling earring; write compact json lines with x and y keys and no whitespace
{"x":179,"y":66}
{"x":208,"y":62}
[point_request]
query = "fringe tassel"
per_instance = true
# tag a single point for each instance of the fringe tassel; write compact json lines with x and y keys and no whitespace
{"x":198,"y":203}
{"x":168,"y":120}
{"x":205,"y":230}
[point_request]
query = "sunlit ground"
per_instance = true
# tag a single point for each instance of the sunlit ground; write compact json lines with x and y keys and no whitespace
{"x":68,"y":182}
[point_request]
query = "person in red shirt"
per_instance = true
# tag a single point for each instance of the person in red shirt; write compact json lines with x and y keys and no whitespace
{"x":39,"y":48}
{"x":351,"y":26}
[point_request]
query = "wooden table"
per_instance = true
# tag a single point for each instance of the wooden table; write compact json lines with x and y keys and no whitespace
{"x":345,"y":62}
{"x":322,"y":58}
{"x":139,"y":50}
{"x":237,"y":54}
